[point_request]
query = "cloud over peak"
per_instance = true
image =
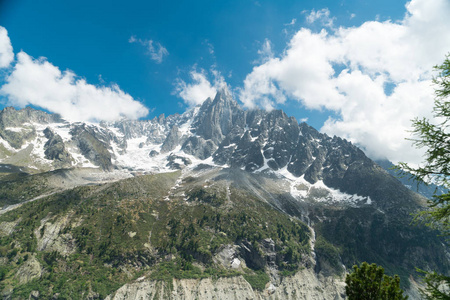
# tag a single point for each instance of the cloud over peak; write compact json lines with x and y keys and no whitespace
{"x":200,"y":88}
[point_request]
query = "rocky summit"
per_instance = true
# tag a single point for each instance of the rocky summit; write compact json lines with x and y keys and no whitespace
{"x":216,"y":203}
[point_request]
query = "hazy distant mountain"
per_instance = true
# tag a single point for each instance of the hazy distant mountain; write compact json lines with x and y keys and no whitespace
{"x":426,"y":190}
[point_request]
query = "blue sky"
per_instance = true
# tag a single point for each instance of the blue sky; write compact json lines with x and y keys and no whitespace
{"x":164,"y":56}
{"x":91,"y":38}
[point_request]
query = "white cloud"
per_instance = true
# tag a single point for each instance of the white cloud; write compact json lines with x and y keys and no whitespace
{"x":156,"y":51}
{"x":201,"y":88}
{"x":293,"y":21}
{"x":380,"y":122}
{"x":6,"y":49}
{"x":323,"y":16}
{"x":210,"y":47}
{"x":265,"y":53}
{"x":376,"y":77}
{"x":301,"y":72}
{"x":39,"y":83}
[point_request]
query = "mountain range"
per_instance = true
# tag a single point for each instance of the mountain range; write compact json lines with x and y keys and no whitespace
{"x":218,"y":202}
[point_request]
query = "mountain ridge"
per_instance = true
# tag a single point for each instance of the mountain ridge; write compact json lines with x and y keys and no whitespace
{"x":169,"y":198}
{"x":219,"y":132}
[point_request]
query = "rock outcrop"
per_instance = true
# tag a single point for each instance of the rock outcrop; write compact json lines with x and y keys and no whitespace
{"x":12,"y":121}
{"x":303,"y":285}
{"x":172,"y":140}
{"x":50,"y":236}
{"x":30,"y":270}
{"x":92,"y":146}
{"x":56,"y":150}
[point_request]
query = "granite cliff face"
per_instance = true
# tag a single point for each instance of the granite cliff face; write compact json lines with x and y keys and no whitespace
{"x":218,"y":202}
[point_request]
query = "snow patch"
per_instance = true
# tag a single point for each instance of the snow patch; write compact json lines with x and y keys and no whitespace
{"x":17,"y":129}
{"x":302,"y":190}
{"x":61,"y":129}
{"x":229,"y":146}
{"x":6,"y":145}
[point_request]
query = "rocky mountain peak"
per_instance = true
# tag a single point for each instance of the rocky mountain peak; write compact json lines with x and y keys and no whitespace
{"x":223,"y":95}
{"x":217,"y":118}
{"x":10,"y":117}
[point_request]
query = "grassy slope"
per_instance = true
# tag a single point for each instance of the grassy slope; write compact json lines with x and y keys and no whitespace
{"x":19,"y":187}
{"x":123,"y":230}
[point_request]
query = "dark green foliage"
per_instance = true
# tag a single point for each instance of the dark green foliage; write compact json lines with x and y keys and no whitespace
{"x":19,"y":187}
{"x":50,"y":258}
{"x":435,"y":286}
{"x":102,"y":240}
{"x":257,"y":279}
{"x":178,"y":269}
{"x":200,"y":194}
{"x":3,"y":271}
{"x":328,"y":256}
{"x":435,"y":139}
{"x":366,"y":234}
{"x":11,"y":254}
{"x":368,"y":282}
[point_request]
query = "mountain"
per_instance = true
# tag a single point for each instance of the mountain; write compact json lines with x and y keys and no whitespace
{"x":426,"y":190}
{"x":218,"y":202}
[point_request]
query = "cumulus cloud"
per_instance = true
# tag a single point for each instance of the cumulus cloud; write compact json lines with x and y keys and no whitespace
{"x":39,"y":83}
{"x":154,"y":49}
{"x":6,"y":49}
{"x":376,"y":77}
{"x":200,"y":88}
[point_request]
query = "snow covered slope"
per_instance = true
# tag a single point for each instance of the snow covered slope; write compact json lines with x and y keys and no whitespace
{"x":218,"y":133}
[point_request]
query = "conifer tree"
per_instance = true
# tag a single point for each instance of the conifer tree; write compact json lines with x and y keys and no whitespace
{"x":369,"y":282}
{"x":434,"y":137}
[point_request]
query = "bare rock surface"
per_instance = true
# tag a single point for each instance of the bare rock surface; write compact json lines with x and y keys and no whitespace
{"x":303,"y":285}
{"x":30,"y":270}
{"x":50,"y":237}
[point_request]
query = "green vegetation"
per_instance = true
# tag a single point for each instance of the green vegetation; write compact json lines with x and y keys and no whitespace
{"x":355,"y":235}
{"x":19,"y":187}
{"x":368,"y":282}
{"x":436,"y":169}
{"x":200,"y":194}
{"x":330,"y":254}
{"x":257,"y":279}
{"x":106,"y":233}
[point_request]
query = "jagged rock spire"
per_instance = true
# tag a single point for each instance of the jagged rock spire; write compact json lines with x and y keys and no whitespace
{"x":217,"y":118}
